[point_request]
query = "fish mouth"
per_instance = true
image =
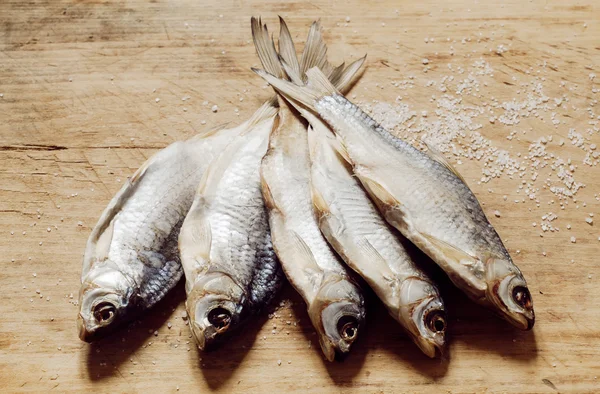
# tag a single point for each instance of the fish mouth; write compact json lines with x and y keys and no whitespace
{"x":85,"y":334}
{"x":520,"y":321}
{"x":214,"y":307}
{"x":210,"y":325}
{"x":513,"y":300}
{"x":423,"y":315}
{"x":101,"y":320}
{"x":341,"y":322}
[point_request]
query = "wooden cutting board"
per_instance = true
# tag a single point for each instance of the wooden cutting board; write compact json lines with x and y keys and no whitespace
{"x":90,"y":89}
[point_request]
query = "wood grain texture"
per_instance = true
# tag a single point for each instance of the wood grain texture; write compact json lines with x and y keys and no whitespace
{"x":79,"y":114}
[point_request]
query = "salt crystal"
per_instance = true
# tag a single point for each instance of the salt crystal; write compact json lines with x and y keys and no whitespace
{"x":425,"y":61}
{"x":157,"y":99}
{"x":573,"y":240}
{"x":497,"y":213}
{"x":214,"y":108}
{"x":589,"y":221}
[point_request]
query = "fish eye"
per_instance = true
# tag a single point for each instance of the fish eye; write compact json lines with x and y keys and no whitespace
{"x":348,"y":328}
{"x":220,"y":318}
{"x":436,"y":321}
{"x":522,"y":296}
{"x":104,"y":312}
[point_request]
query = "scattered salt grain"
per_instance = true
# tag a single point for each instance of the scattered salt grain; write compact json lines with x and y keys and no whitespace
{"x":157,"y":99}
{"x":589,"y":221}
{"x":497,"y":213}
{"x":573,"y":240}
{"x":214,"y":108}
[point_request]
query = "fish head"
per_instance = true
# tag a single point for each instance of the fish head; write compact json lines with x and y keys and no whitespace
{"x":423,"y":314}
{"x":214,"y":306}
{"x":507,"y":290}
{"x":338,"y":314}
{"x":105,"y":297}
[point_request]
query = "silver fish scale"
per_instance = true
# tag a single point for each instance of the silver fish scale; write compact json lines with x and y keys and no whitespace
{"x":360,"y":218}
{"x":437,"y":202}
{"x":241,"y":244}
{"x":268,"y":280}
{"x":148,"y":224}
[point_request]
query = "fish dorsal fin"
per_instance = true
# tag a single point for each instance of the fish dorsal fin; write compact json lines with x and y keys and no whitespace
{"x":287,"y":49}
{"x":98,"y":244}
{"x":265,"y":48}
{"x":265,"y":112}
{"x":462,"y":266}
{"x":439,"y":157}
{"x":210,"y":132}
{"x":343,"y":81}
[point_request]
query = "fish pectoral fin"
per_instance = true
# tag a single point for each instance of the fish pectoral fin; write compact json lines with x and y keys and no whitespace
{"x":439,"y":157}
{"x":461,"y":263}
{"x":301,"y":249}
{"x":378,"y":191}
{"x":104,"y":241}
{"x":378,"y":267}
{"x":375,"y":258}
{"x":319,"y":202}
{"x":340,"y":148}
{"x":195,"y":237}
{"x":267,"y":195}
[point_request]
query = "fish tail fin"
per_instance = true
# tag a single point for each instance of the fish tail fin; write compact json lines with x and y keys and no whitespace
{"x":343,"y":78}
{"x":301,"y":94}
{"x":287,"y":49}
{"x":264,"y":112}
{"x":315,"y":51}
{"x":318,"y":86}
{"x":265,"y":48}
{"x":319,"y":83}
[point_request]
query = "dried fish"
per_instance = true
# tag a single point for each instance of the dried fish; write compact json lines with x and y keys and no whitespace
{"x":423,"y":197}
{"x":352,"y":225}
{"x":131,"y":259}
{"x":230,"y":267}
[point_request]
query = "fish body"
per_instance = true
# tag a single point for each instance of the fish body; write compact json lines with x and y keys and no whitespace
{"x":131,"y":259}
{"x":422,"y":196}
{"x":354,"y":227}
{"x":230,"y":267}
